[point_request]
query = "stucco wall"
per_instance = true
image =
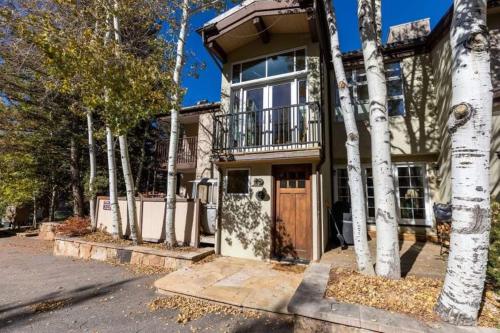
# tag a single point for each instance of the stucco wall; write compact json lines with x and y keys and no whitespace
{"x":441,"y":64}
{"x":203,"y":162}
{"x":246,"y":221}
{"x":416,"y":133}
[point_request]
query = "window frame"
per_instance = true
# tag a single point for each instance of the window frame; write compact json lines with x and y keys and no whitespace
{"x":267,"y":78}
{"x":226,"y":181}
{"x":353,"y":84}
{"x":427,"y":222}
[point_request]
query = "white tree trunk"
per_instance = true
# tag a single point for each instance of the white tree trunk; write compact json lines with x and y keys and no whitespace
{"x":388,"y":263}
{"x":116,"y":221}
{"x":129,"y":185}
{"x":358,"y":204}
{"x":93,"y":168}
{"x":470,"y":128}
{"x":127,"y":170}
{"x":174,"y":135}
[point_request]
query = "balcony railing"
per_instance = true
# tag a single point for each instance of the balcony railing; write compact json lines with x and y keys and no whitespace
{"x":186,"y":153}
{"x":281,"y":128}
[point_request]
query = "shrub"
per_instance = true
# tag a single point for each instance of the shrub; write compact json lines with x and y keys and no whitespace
{"x":74,"y":226}
{"x":494,"y":254}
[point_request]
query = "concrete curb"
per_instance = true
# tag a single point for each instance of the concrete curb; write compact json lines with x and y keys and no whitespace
{"x":315,"y":313}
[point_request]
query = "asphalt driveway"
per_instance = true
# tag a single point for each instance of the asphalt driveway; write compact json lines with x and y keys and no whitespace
{"x":43,"y":293}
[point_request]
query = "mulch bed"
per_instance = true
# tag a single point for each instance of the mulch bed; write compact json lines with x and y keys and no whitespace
{"x":103,"y":237}
{"x":298,"y":269}
{"x":415,"y":296}
{"x":193,"y":308}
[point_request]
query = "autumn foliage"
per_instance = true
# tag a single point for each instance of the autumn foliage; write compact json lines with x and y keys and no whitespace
{"x":74,"y":226}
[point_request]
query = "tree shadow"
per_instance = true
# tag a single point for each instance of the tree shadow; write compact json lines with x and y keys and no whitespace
{"x":410,"y":256}
{"x":243,"y":218}
{"x":70,"y":298}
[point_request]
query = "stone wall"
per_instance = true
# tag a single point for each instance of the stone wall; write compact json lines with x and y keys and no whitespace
{"x":138,"y":255}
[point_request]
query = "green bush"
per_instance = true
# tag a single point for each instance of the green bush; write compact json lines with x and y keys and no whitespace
{"x":494,"y":254}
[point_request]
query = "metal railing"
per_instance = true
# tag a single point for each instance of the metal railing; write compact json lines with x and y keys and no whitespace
{"x":280,"y":128}
{"x":186,"y":152}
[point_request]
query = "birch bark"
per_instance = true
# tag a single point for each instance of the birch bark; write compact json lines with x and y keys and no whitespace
{"x":470,"y":128}
{"x":358,"y":204}
{"x":127,"y":170}
{"x":174,"y":135}
{"x":388,"y":263}
{"x":116,"y":221}
{"x":93,"y":168}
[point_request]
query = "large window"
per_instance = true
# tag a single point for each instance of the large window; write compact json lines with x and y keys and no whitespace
{"x":411,"y":194}
{"x":278,"y":64}
{"x":358,"y":86}
{"x":237,"y":181}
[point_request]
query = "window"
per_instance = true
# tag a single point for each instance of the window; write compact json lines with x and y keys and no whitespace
{"x":410,"y":187}
{"x":279,"y":64}
{"x":411,"y":191}
{"x":238,"y":181}
{"x":358,"y":86}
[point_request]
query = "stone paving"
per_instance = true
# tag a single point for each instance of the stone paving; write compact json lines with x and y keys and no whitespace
{"x":421,"y":259}
{"x":240,"y":282}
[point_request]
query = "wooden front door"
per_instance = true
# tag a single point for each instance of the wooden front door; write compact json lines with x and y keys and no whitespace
{"x":292,"y":215}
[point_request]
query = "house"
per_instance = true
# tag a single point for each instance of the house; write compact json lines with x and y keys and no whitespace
{"x":277,"y":141}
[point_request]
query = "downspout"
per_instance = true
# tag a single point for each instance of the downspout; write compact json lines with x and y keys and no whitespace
{"x":321,"y":160}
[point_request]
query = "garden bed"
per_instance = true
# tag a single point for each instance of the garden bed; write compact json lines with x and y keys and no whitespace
{"x":414,"y":296}
{"x":122,"y":252}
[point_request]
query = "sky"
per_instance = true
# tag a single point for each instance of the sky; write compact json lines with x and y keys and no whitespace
{"x":206,"y":84}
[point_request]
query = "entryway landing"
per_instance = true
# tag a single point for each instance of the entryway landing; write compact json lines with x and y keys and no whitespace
{"x":240,"y":282}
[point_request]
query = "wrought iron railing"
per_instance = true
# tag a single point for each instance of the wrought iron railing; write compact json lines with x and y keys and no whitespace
{"x":280,"y":128}
{"x":186,"y":152}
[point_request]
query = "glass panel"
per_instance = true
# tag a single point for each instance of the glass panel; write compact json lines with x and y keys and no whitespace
{"x":281,"y":101}
{"x":237,"y":181}
{"x":396,"y":107}
{"x":254,"y":70}
{"x":411,"y":192}
{"x":300,"y":60}
{"x":254,"y":103}
{"x":234,"y":121}
{"x":394,"y":88}
{"x":280,"y":64}
{"x":302,"y":111}
{"x":363,"y":93}
{"x":393,"y":70}
{"x":236,"y":73}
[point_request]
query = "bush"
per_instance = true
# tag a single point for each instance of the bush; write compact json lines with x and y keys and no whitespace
{"x":494,"y":254}
{"x":74,"y":227}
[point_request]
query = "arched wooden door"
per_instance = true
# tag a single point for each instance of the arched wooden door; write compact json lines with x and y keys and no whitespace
{"x":292,"y":212}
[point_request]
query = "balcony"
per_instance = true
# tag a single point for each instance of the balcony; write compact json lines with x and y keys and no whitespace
{"x":288,"y":128}
{"x":186,"y":153}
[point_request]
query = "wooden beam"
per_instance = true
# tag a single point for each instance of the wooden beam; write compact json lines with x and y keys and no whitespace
{"x":217,"y":51}
{"x":313,"y":27}
{"x":260,"y":26}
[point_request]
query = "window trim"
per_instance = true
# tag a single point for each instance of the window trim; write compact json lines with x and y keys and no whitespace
{"x":269,"y":78}
{"x":226,"y":178}
{"x":354,"y":72}
{"x":404,"y":222}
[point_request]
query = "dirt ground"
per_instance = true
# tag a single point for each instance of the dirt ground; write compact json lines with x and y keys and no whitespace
{"x":43,"y":293}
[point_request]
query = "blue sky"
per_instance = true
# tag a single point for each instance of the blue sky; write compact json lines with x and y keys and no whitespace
{"x":207,"y":84}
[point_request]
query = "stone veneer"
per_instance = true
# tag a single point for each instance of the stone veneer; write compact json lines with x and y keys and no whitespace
{"x":139,"y":255}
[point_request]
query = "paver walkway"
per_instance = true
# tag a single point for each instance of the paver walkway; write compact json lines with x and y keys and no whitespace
{"x":421,"y":259}
{"x":240,"y":282}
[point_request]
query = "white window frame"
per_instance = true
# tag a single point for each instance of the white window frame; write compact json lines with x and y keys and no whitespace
{"x":427,"y":222}
{"x":357,"y":102}
{"x":267,"y":79}
{"x":226,"y":178}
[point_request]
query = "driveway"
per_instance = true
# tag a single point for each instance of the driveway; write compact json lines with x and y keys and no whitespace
{"x":90,"y":296}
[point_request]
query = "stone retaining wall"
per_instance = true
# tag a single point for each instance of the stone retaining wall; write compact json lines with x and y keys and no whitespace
{"x":77,"y":248}
{"x":48,"y":231}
